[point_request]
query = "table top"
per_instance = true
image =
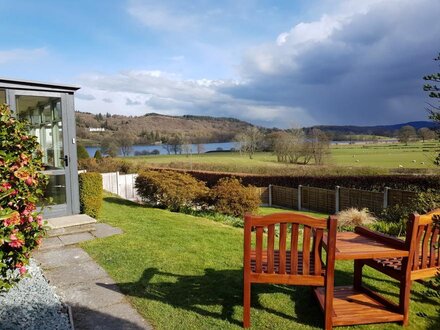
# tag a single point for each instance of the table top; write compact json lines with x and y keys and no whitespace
{"x":350,"y":246}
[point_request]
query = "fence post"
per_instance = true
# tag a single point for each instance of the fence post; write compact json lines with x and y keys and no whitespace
{"x":270,"y":195}
{"x":117,"y":183}
{"x":385,"y":197}
{"x":299,"y":197}
{"x":337,"y":199}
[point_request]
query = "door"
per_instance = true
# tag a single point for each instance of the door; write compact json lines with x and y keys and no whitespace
{"x":46,"y":113}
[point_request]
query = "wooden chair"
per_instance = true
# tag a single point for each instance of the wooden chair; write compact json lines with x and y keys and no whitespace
{"x":297,"y":262}
{"x":422,"y":241}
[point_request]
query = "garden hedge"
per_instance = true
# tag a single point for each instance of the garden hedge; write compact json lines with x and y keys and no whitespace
{"x":90,"y":193}
{"x":369,"y":182}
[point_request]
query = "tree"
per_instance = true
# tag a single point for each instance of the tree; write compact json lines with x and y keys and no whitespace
{"x":174,"y":144}
{"x":109,"y":147}
{"x":98,"y":155}
{"x":125,"y":141}
{"x":433,"y":90}
{"x":200,"y":148}
{"x":406,"y":133}
{"x":289,"y":146}
{"x":318,"y":146}
{"x":426,"y":134}
{"x":250,"y":140}
{"x":81,"y":152}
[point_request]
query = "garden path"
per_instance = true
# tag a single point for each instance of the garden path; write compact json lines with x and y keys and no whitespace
{"x":75,"y":276}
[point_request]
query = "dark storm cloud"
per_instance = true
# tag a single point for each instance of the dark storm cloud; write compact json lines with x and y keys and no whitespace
{"x":368,"y":70}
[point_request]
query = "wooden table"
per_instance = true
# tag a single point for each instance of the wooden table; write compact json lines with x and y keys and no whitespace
{"x":357,"y":304}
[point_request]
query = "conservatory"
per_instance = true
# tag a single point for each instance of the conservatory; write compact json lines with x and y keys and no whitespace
{"x":49,"y":108}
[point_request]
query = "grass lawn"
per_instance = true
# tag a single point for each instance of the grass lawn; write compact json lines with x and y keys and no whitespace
{"x":379,"y":156}
{"x":185,"y":272}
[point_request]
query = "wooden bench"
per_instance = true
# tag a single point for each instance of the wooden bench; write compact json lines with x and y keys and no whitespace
{"x":297,"y":261}
{"x":422,"y":241}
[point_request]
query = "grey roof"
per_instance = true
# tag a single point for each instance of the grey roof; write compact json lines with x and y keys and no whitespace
{"x":36,"y":85}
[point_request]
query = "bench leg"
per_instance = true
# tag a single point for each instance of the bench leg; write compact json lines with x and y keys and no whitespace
{"x":404,"y":299}
{"x":246,"y":304}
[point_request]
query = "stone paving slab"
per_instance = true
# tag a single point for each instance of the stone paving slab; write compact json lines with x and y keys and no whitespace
{"x":96,"y":300}
{"x":109,"y":319}
{"x":61,"y":257}
{"x":69,"y":221}
{"x":76,"y":238}
{"x":72,"y":274}
{"x":105,"y":230}
{"x":91,"y":294}
{"x":51,"y":243}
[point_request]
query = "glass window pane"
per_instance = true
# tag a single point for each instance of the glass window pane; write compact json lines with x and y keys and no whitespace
{"x":44,"y":114}
{"x":56,"y":189}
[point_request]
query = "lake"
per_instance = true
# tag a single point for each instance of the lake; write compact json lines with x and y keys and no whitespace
{"x":224,"y":146}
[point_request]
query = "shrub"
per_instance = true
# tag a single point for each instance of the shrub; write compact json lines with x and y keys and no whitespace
{"x":81,"y":152}
{"x":98,"y":155}
{"x":230,"y":197}
{"x":397,"y":215}
{"x":170,"y":190}
{"x":352,"y":217}
{"x":90,"y":193}
{"x":21,"y":188}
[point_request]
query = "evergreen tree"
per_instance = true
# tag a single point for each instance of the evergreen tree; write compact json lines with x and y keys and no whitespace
{"x":81,"y":152}
{"x":98,"y":155}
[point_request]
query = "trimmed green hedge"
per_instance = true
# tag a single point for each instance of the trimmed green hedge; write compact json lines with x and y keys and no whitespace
{"x":90,"y":193}
{"x":368,"y":182}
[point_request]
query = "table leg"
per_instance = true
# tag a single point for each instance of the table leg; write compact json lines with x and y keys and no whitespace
{"x":357,"y":277}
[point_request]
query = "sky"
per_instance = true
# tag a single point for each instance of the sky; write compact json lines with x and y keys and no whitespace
{"x":272,"y":63}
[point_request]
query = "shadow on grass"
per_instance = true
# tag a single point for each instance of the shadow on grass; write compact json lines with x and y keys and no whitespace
{"x":121,"y":201}
{"x":201,"y":293}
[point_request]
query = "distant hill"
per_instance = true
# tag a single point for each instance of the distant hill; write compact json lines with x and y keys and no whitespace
{"x":384,"y":130}
{"x":153,"y":127}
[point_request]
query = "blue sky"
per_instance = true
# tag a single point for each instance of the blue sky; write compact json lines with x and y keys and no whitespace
{"x":274,"y":63}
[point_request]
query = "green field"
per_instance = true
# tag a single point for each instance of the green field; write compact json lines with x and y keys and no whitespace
{"x":379,"y":158}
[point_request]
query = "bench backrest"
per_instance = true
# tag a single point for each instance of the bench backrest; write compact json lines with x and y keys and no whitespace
{"x":423,"y":239}
{"x":294,"y":249}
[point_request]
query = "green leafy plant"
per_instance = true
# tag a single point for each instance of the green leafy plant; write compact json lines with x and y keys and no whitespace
{"x":393,"y":219}
{"x":81,"y":152}
{"x":230,"y":197}
{"x":98,"y":155}
{"x":21,"y":188}
{"x":90,"y":193}
{"x":171,"y":190}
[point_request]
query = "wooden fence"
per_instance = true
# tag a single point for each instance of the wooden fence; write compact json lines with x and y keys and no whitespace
{"x":374,"y":201}
{"x":318,"y":199}
{"x":334,"y":200}
{"x":121,"y":185}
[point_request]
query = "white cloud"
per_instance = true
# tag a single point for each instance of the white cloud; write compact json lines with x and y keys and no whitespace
{"x":140,"y":92}
{"x":21,"y":55}
{"x":159,"y":17}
